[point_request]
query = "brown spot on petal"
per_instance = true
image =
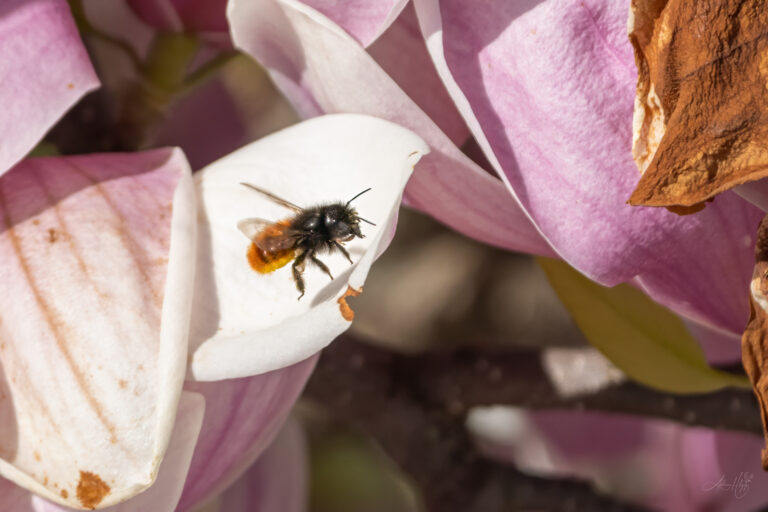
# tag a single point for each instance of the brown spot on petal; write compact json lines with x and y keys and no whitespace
{"x":91,"y":489}
{"x":701,"y":111}
{"x":347,"y":311}
{"x":64,"y":494}
{"x":754,"y":342}
{"x":122,"y":383}
{"x":37,"y":456}
{"x":53,"y":235}
{"x":70,"y":86}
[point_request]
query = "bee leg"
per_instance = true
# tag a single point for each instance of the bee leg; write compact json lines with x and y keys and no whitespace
{"x":343,"y":251}
{"x":320,"y":264}
{"x":298,"y":269}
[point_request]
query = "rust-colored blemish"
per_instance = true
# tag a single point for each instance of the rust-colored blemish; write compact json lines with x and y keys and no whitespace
{"x":70,"y":86}
{"x":53,"y":235}
{"x":122,"y":383}
{"x":45,"y":480}
{"x":347,"y":311}
{"x":35,"y":222}
{"x":91,"y":489}
{"x":64,"y":494}
{"x":37,"y":456}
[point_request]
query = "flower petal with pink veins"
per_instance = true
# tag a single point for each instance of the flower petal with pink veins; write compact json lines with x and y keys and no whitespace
{"x":44,"y":70}
{"x":94,"y":319}
{"x":365,"y":20}
{"x":246,"y":323}
{"x":547,"y":88}
{"x":320,"y":68}
{"x":242,"y":417}
{"x":164,"y":494}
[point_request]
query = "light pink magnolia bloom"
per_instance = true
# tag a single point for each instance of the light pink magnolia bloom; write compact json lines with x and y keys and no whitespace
{"x":654,"y":463}
{"x":547,"y":89}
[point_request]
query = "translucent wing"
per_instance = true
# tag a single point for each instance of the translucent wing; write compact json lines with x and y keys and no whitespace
{"x":251,"y":227}
{"x":268,"y":236}
{"x":270,"y":195}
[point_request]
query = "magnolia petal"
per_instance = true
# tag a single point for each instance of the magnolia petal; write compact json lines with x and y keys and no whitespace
{"x":44,"y":70}
{"x":416,"y":75}
{"x":702,"y":273}
{"x":278,"y":482}
{"x":165,"y":492}
{"x":94,"y":323}
{"x":518,"y":73}
{"x":241,"y":419}
{"x":364,"y":20}
{"x":246,"y":323}
{"x":322,"y":69}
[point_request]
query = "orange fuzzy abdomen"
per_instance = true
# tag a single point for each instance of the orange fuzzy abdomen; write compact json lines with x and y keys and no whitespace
{"x":265,"y":262}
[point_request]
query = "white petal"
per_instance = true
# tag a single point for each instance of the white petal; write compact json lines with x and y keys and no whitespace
{"x":166,"y":491}
{"x":245,"y":323}
{"x":94,"y":318}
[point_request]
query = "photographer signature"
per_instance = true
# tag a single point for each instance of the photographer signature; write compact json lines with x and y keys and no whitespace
{"x":739,"y":485}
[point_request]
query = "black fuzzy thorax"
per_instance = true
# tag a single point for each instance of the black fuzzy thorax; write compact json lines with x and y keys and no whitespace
{"x":316,"y":228}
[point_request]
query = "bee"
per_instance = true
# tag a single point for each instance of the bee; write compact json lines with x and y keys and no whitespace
{"x":323,"y":228}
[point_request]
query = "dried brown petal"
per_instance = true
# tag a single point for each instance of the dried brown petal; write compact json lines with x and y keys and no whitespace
{"x":754,"y":343}
{"x":701,"y":111}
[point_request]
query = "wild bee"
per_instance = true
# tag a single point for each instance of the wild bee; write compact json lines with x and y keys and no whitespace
{"x":323,"y":228}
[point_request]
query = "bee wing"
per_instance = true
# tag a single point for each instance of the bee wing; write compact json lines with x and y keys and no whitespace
{"x":251,"y":227}
{"x":279,"y":240}
{"x":270,"y":195}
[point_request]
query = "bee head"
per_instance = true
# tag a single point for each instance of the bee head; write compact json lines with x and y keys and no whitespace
{"x":342,"y":223}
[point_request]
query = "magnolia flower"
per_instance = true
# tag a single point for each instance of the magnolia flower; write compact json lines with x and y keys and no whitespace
{"x":123,"y":275}
{"x":547,"y":89}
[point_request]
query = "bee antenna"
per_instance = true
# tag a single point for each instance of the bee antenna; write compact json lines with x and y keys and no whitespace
{"x":364,"y":220}
{"x":358,"y":195}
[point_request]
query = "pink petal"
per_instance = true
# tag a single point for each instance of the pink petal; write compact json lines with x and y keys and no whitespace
{"x":95,"y":319}
{"x":242,"y":417}
{"x":44,"y":70}
{"x":277,"y":482}
{"x":365,"y":20}
{"x":322,"y":69}
{"x":416,"y":75}
{"x":547,"y":89}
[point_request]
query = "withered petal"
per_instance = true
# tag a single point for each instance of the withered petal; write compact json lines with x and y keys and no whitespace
{"x":754,"y":342}
{"x":701,"y":111}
